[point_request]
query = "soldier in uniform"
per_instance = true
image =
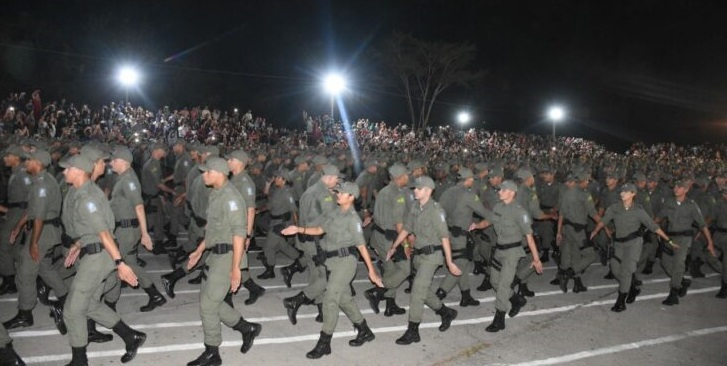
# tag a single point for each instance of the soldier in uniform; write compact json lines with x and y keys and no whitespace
{"x":182,"y":165}
{"x":344,"y":237}
{"x":488,"y":236}
{"x":238,"y":160}
{"x":628,"y":217}
{"x":91,"y":222}
{"x":527,"y":198}
{"x":681,"y":213}
{"x":152,"y":188}
{"x":481,"y":184}
{"x":225,"y":240}
{"x":283,"y":211}
{"x":297,"y":177}
{"x":315,"y":174}
{"x":719,"y":262}
{"x":656,"y":200}
{"x":131,"y":229}
{"x":35,"y":254}
{"x":459,"y":203}
{"x":548,"y":193}
{"x":18,"y":187}
{"x":426,"y":220}
{"x":315,"y":202}
{"x":577,"y":252}
{"x":389,"y":213}
{"x":512,"y":224}
{"x":609,"y":196}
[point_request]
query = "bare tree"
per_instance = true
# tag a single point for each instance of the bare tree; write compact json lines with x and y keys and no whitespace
{"x":426,"y":69}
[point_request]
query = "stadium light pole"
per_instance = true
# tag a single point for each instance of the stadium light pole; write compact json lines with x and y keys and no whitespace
{"x":334,"y":84}
{"x":555,"y":115}
{"x":128,"y":77}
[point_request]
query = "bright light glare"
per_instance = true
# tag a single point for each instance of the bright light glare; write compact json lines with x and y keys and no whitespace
{"x":556,"y":113}
{"x":463,"y":117}
{"x":128,"y":76}
{"x":334,"y":84}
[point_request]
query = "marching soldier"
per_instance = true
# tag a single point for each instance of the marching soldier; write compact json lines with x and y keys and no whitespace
{"x":344,"y":237}
{"x":283,"y":211}
{"x":152,"y":189}
{"x":426,"y":220}
{"x":720,"y":241}
{"x":225,"y":239}
{"x":627,"y":217}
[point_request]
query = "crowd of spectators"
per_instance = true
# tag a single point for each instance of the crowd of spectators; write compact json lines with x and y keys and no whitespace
{"x":28,"y":116}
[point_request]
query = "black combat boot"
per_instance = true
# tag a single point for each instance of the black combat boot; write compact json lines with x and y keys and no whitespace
{"x":319,"y":317}
{"x":498,"y":322}
{"x":648,"y":268}
{"x":43,"y":291}
{"x":197,"y":280}
{"x":210,"y":357}
{"x":558,"y":276}
{"x":479,"y":268}
{"x":695,"y":268}
{"x":155,"y":299}
{"x":94,"y":336}
{"x":23,"y":319}
{"x":545,"y":257}
{"x":78,"y":357}
{"x":374,"y":296}
{"x":564,"y":278}
{"x":132,"y":339}
{"x":56,"y":312}
{"x":289,"y":271}
{"x":467,"y":299}
{"x":411,"y":335}
{"x":255,"y":291}
{"x":170,"y":279}
{"x":673,"y":298}
{"x":516,"y":303}
{"x":578,"y":285}
{"x":268,"y":274}
{"x":249,"y":331}
{"x":485,"y":285}
{"x":9,"y":357}
{"x":620,"y":303}
{"x":447,"y":315}
{"x":292,"y":304}
{"x":609,"y":275}
{"x":441,"y":294}
{"x":722,"y":294}
{"x":8,"y":287}
{"x":322,"y":348}
{"x":633,"y":292}
{"x":523,"y":290}
{"x":636,"y":281}
{"x":392,"y":308}
{"x":364,"y":335}
{"x":685,"y":286}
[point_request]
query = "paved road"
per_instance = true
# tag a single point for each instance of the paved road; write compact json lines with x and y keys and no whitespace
{"x":553,"y":328}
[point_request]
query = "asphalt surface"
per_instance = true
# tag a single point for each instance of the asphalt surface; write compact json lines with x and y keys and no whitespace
{"x":553,"y":328}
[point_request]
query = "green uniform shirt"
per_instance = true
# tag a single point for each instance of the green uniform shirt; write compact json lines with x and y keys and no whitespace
{"x":226,"y":216}
{"x":91,"y":213}
{"x":246,"y":187}
{"x":548,"y":194}
{"x":368,"y":181}
{"x":719,"y":219}
{"x":297,"y":180}
{"x":182,"y":167}
{"x":200,"y":197}
{"x":126,"y":195}
{"x":459,"y":203}
{"x":342,"y":228}
{"x":528,"y":199}
{"x":681,"y":215}
{"x":151,"y":177}
{"x":316,"y":201}
{"x":19,"y":186}
{"x":576,"y":205}
{"x":428,"y":223}
{"x":628,"y":221}
{"x":511,"y":222}
{"x":390,"y":207}
{"x":280,"y":202}
{"x":44,"y":202}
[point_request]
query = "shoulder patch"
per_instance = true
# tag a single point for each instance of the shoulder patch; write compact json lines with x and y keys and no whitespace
{"x":477,"y":198}
{"x":589,"y":198}
{"x":186,"y":163}
{"x":42,"y":192}
{"x":91,"y":207}
{"x":250,"y":191}
{"x":400,"y":200}
{"x":27,"y":180}
{"x":233,"y":205}
{"x":442,"y":217}
{"x":526,"y":218}
{"x":358,"y":227}
{"x":132,"y":186}
{"x":328,"y":199}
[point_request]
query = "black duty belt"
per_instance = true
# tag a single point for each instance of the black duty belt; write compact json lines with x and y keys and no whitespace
{"x":22,"y":205}
{"x":341,"y":252}
{"x":305,"y":238}
{"x":457,"y":231}
{"x":632,"y":236}
{"x":688,"y":232}
{"x":222,"y":248}
{"x":509,"y":246}
{"x":92,"y":248}
{"x":146,"y":197}
{"x":720,"y":230}
{"x":546,"y":207}
{"x":56,"y":221}
{"x":285,"y":217}
{"x":389,"y":234}
{"x":577,"y":227}
{"x":127,"y":223}
{"x":429,"y":249}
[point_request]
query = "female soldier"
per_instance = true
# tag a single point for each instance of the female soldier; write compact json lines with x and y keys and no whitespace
{"x":343,"y":235}
{"x":628,"y":242}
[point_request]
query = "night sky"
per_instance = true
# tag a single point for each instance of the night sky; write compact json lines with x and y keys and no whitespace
{"x":627,"y":71}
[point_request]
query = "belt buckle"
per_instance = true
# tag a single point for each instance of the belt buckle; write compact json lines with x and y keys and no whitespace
{"x":343,"y":252}
{"x":429,"y":249}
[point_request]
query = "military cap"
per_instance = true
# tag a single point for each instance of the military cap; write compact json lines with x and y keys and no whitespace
{"x":320,"y":160}
{"x":628,"y":187}
{"x":480,"y":167}
{"x":216,"y":164}
{"x":78,"y":161}
{"x":239,"y":155}
{"x":14,"y":150}
{"x":465,"y":173}
{"x":423,"y":181}
{"x":39,"y":154}
{"x":524,"y":173}
{"x":414,"y":164}
{"x":282,"y":173}
{"x":348,"y":187}
{"x":397,"y":170}
{"x":639,"y":177}
{"x":329,"y":169}
{"x":94,"y":153}
{"x":496,"y":172}
{"x":508,"y":185}
{"x":122,"y":153}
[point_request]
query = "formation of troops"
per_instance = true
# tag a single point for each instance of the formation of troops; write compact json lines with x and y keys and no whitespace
{"x":75,"y":216}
